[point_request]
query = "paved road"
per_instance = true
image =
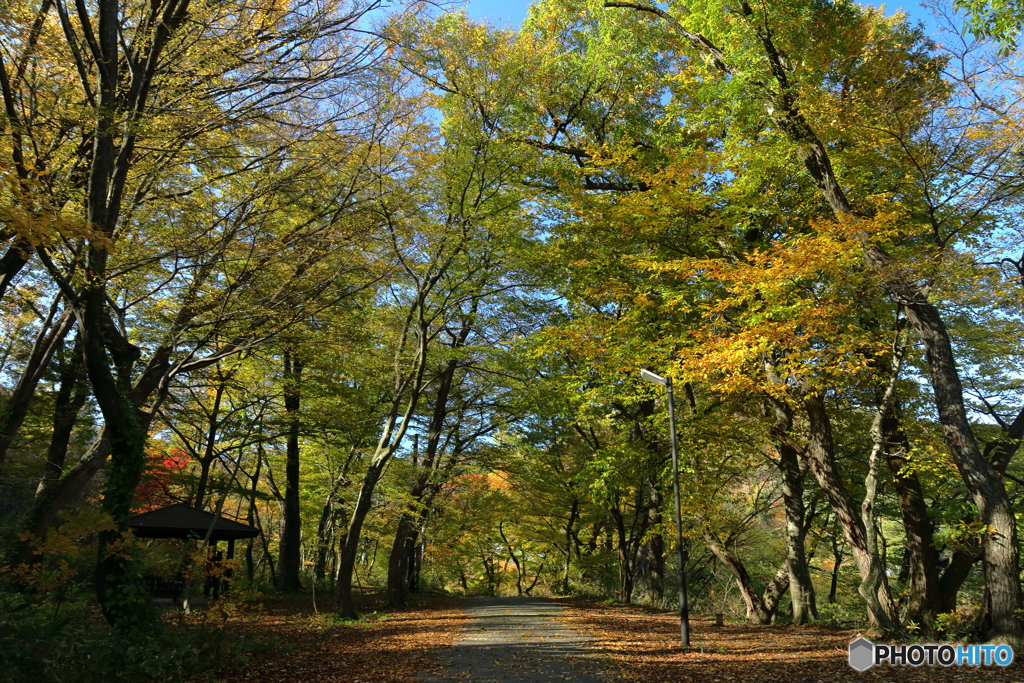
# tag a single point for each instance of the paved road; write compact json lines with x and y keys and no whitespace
{"x":517,"y":639}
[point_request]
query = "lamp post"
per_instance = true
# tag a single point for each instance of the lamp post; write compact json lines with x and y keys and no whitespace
{"x":684,"y":607}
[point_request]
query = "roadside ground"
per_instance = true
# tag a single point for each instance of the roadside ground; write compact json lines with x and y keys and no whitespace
{"x":646,"y":647}
{"x":302,"y":646}
{"x":416,"y":644}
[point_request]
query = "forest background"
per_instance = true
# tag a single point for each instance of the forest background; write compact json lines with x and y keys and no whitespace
{"x":379,"y":280}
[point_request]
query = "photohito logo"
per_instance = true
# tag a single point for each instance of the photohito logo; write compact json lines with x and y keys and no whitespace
{"x":864,"y":654}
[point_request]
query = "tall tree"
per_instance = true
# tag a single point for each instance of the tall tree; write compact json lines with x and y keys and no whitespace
{"x":290,"y":552}
{"x":781,"y":87}
{"x":136,"y":69}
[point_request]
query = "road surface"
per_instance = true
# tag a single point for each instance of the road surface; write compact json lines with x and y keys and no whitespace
{"x":518,"y":639}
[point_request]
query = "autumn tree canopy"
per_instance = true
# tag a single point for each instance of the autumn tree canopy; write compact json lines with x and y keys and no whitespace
{"x":379,"y":280}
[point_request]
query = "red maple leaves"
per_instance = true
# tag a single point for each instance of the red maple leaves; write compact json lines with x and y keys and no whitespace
{"x":163,"y":468}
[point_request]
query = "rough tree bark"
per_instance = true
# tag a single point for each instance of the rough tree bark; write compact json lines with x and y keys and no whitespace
{"x":761,"y":609}
{"x":801,"y":589}
{"x":999,"y":452}
{"x":821,"y":458}
{"x":924,"y":600}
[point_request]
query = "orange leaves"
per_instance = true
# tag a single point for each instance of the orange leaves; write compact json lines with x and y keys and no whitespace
{"x":314,"y":648}
{"x":63,"y":552}
{"x":797,"y":304}
{"x":645,"y":645}
{"x":26,"y":211}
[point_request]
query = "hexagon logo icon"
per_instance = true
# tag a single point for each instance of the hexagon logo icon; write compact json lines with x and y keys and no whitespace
{"x":862,"y":654}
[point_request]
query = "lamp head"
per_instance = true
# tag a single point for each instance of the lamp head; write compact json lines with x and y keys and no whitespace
{"x":653,"y":379}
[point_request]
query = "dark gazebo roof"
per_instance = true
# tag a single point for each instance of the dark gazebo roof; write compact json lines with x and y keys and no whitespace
{"x":184,"y":521}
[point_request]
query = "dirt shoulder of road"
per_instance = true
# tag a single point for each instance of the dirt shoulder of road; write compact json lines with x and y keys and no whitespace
{"x":298,"y":644}
{"x":646,"y":647}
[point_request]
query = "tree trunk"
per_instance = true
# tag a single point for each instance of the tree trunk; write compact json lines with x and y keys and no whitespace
{"x":52,"y":496}
{"x":801,"y":588}
{"x":13,"y":260}
{"x":400,"y":558}
{"x":327,"y":528}
{"x":405,"y":562}
{"x":876,"y":582}
{"x":125,"y":425}
{"x":652,"y":552}
{"x":760,"y":608}
{"x":51,"y":337}
{"x":536,"y":578}
{"x":350,"y":549}
{"x":520,"y":569}
{"x":820,"y":453}
{"x":210,"y":447}
{"x":924,"y":600}
{"x":837,"y":564}
{"x":491,"y":574}
{"x":325,"y":531}
{"x":290,"y":551}
{"x":999,"y":452}
{"x":956,"y":572}
{"x":74,"y":390}
{"x":251,"y":516}
{"x":405,"y":534}
{"x":627,"y":546}
{"x":571,"y":543}
{"x":408,"y":387}
{"x":1002,"y":552}
{"x":416,"y":562}
{"x":111,"y":375}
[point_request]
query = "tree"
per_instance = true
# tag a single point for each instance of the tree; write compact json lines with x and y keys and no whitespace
{"x":998,"y":20}
{"x":444,"y":229}
{"x":775,"y":132}
{"x":987,"y":491}
{"x":171,"y":87}
{"x":291,"y":532}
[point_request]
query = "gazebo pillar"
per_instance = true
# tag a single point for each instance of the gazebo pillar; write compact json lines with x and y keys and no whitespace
{"x":230,"y":572}
{"x":212,"y":580}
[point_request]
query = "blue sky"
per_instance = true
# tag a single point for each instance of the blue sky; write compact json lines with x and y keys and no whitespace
{"x":509,"y":12}
{"x":512,"y":12}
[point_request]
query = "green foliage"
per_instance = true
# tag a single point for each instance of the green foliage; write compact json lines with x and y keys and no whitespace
{"x":1000,"y":20}
{"x":956,"y":626}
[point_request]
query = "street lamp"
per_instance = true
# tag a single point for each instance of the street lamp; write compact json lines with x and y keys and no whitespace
{"x":684,"y":607}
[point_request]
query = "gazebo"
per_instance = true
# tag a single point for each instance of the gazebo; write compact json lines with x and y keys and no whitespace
{"x":184,"y":521}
